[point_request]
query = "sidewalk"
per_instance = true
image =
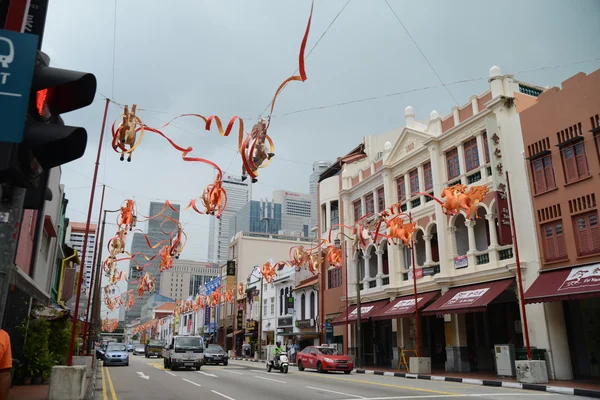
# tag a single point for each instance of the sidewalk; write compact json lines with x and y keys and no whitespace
{"x":29,"y":392}
{"x":577,"y":388}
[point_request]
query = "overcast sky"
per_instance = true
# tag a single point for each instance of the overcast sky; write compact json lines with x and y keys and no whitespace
{"x":227,"y":58}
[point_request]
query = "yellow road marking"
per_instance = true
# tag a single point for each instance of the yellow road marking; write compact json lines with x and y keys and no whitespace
{"x":104,"y":394}
{"x":110,"y":384}
{"x":387,"y":385}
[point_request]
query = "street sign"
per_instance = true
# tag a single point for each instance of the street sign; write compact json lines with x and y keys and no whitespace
{"x":18,"y":53}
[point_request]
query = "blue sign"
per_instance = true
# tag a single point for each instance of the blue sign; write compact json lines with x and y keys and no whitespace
{"x":18,"y":52}
{"x":212,"y":285}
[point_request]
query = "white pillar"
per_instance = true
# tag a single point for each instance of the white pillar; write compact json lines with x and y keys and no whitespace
{"x":366,"y":258}
{"x":407,"y":190}
{"x":452,"y":235}
{"x":474,"y":105}
{"x":379,"y":276}
{"x":461,"y":162}
{"x":421,"y":180}
{"x":388,"y":188}
{"x":326,"y":225}
{"x":455,"y":115}
{"x":492,"y":229}
{"x":470,"y":224}
{"x":480,"y":149}
{"x":428,"y":256}
{"x":376,"y":202}
{"x":441,"y":219}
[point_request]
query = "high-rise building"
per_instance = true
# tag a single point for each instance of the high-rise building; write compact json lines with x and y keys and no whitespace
{"x":318,"y":168}
{"x":256,"y":216}
{"x":75,"y":235}
{"x":156,"y":227}
{"x":186,"y":278}
{"x":218,"y":236}
{"x":296,"y":212}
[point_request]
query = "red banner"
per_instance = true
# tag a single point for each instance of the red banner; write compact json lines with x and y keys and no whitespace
{"x":504,"y":230}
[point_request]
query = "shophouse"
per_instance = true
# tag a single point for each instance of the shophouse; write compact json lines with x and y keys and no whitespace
{"x":561,"y":133}
{"x":477,"y":144}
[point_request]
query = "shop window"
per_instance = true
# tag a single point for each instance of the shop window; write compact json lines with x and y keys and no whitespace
{"x":334,"y":213}
{"x":369,"y":204}
{"x":357,"y":210}
{"x":543,"y":174}
{"x":554,"y":241}
{"x":281,"y":302}
{"x":401,"y":190}
{"x":414,"y":181}
{"x":380,"y":200}
{"x":324,"y":217}
{"x":452,"y":163}
{"x":588,"y":233}
{"x":575,"y":162}
{"x":313,"y":305}
{"x":334,"y":278}
{"x":427,"y":176}
{"x":486,"y":146}
{"x":303,"y":306}
{"x":471,"y":154}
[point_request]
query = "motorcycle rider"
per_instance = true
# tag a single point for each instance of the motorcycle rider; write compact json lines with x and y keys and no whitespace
{"x":278,"y":350}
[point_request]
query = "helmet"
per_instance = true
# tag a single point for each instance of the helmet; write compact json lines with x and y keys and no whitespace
{"x":277,"y":343}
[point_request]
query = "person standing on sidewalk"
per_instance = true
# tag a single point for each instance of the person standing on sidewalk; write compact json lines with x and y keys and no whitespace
{"x":5,"y":364}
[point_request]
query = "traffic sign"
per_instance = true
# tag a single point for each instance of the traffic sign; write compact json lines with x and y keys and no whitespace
{"x":18,"y":53}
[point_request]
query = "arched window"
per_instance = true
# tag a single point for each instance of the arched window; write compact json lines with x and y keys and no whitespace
{"x":303,"y":307}
{"x":281,"y":301}
{"x":313,"y":305}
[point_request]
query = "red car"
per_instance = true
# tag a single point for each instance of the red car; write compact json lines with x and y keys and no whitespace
{"x":323,"y":359}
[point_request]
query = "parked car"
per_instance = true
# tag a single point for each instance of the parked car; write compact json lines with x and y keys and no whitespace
{"x":100,"y":351}
{"x":116,"y":354}
{"x":214,"y":354}
{"x":130,"y":347}
{"x":324,"y":358}
{"x":139,"y":349}
{"x":154,"y":348}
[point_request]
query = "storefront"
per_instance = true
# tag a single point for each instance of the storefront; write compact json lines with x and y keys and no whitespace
{"x":374,"y":333}
{"x":402,"y":311}
{"x":577,"y":289}
{"x":475,"y":318}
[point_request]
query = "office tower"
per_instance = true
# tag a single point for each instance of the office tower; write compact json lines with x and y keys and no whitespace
{"x":186,"y":278}
{"x":218,"y":235}
{"x":296,"y":212}
{"x":75,"y":234}
{"x":259,"y":216}
{"x":318,"y":168}
{"x":155,"y":234}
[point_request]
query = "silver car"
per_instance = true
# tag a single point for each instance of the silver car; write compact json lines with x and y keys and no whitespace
{"x":116,"y":354}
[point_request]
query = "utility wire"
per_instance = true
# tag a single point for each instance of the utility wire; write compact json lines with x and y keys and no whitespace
{"x":421,"y":51}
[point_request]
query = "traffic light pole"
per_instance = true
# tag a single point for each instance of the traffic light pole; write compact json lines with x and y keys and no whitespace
{"x":85,"y":240}
{"x":11,"y":211}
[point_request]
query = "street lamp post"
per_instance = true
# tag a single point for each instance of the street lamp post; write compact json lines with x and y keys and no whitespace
{"x":260,"y":309}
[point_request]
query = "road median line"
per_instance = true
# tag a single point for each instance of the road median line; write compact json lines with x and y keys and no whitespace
{"x":110,"y":385}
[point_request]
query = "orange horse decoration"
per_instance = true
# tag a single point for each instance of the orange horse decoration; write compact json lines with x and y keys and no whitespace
{"x":127,"y":218}
{"x":241,"y":289}
{"x":269,"y":271}
{"x":458,"y":198}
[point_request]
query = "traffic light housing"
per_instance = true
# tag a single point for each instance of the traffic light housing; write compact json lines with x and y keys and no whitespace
{"x":47,"y":141}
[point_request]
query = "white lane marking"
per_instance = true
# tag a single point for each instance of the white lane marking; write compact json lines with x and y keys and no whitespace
{"x":193,"y":383}
{"x":444,"y":396}
{"x":268,"y":379}
{"x":207,"y":374}
{"x":142,"y":375}
{"x":233,"y":372}
{"x":333,"y":391}
{"x":222,"y":395}
{"x":170,"y":373}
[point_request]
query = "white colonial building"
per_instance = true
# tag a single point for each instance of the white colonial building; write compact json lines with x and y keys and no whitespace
{"x":465,"y":269}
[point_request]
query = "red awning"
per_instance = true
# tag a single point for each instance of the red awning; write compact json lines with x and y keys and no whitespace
{"x":367,"y":310}
{"x":565,"y":284}
{"x":404,"y":306}
{"x":472,"y":298}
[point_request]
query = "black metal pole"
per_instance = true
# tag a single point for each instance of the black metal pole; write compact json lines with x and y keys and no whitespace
{"x":260,"y":319}
{"x":358,"y":320}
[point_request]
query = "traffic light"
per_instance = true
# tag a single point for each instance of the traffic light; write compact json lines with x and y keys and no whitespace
{"x":47,"y":141}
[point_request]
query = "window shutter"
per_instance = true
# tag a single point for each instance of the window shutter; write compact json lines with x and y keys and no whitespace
{"x":581,"y":161}
{"x":570,"y":164}
{"x":561,"y":246}
{"x":594,"y":232}
{"x":401,"y":189}
{"x":538,"y":176}
{"x":550,"y":249}
{"x":583,"y":233}
{"x":549,"y":173}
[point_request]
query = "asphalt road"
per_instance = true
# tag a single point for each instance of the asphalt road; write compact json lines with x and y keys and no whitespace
{"x":147,"y":379}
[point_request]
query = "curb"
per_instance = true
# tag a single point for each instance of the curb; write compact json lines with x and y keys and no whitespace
{"x":256,"y":361}
{"x":513,"y":385}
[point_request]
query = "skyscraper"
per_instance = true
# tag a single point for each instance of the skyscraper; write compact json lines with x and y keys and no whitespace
{"x":218,"y":234}
{"x":296,"y":212}
{"x":318,"y":168}
{"x":155,"y":234}
{"x":256,"y":216}
{"x":75,"y":234}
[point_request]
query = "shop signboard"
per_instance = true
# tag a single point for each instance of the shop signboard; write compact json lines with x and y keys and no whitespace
{"x":582,"y":277}
{"x":465,"y":298}
{"x":303,"y":323}
{"x":285,"y":321}
{"x":328,"y":326}
{"x":402,"y":306}
{"x":504,"y":229}
{"x":461,"y":262}
{"x":364,"y":310}
{"x":230,"y":268}
{"x":251,"y":326}
{"x":240,"y":320}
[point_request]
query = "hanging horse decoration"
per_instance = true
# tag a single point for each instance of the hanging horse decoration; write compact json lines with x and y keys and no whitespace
{"x":126,"y":132}
{"x":460,"y":197}
{"x":398,"y":231}
{"x":255,"y":151}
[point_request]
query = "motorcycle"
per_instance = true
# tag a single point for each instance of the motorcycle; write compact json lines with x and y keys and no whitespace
{"x":282,"y":365}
